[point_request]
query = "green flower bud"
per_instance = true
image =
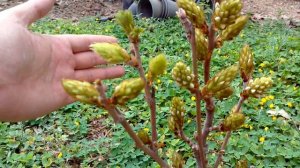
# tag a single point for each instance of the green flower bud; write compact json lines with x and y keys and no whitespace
{"x":194,"y":12}
{"x":82,"y":91}
{"x":125,"y":20}
{"x":220,"y":82}
{"x":177,"y":112}
{"x":233,"y":122}
{"x":246,"y":63}
{"x":201,"y":45}
{"x":157,"y":66}
{"x":112,"y":53}
{"x":177,"y":160}
{"x":172,"y":125}
{"x":257,"y":87}
{"x":226,"y":13}
{"x":183,"y":76}
{"x":234,"y":29}
{"x":127,"y":90}
{"x":143,"y":135}
{"x":242,"y":164}
{"x":225,"y":93}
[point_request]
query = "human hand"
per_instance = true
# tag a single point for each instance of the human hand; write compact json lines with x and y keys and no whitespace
{"x":33,"y":65}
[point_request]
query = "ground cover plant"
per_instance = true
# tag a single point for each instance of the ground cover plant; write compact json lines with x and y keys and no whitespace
{"x":60,"y":139}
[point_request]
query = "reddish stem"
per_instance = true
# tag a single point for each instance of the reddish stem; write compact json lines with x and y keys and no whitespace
{"x":119,"y":118}
{"x":190,"y":31}
{"x":150,"y":100}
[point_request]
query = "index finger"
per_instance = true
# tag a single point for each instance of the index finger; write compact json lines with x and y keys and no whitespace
{"x":81,"y":43}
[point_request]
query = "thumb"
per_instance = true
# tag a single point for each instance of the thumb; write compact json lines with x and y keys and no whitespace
{"x":32,"y":10}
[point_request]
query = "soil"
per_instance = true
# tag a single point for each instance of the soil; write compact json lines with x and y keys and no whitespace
{"x":288,"y":10}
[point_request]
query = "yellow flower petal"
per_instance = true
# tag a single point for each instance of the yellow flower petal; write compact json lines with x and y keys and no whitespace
{"x":193,"y":98}
{"x":262,"y":139}
{"x":290,"y":104}
{"x":59,"y":155}
{"x":266,"y":128}
{"x":274,"y":118}
{"x":271,"y":106}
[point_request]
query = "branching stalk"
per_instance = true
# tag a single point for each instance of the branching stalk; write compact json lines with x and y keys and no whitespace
{"x":228,"y":134}
{"x":148,"y":95}
{"x":119,"y":118}
{"x":190,"y":31}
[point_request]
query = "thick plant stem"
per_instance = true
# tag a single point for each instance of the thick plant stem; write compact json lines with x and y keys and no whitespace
{"x":149,"y":98}
{"x":227,"y":137}
{"x":190,"y":31}
{"x":193,"y":146}
{"x":209,"y":103}
{"x":119,"y":118}
{"x":210,"y":108}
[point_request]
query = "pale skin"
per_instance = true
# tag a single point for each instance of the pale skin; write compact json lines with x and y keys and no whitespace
{"x":33,"y":65}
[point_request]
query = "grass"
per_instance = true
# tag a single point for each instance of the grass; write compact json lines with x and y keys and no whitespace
{"x":63,"y":138}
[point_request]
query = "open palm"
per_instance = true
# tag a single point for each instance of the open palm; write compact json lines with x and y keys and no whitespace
{"x":33,"y":65}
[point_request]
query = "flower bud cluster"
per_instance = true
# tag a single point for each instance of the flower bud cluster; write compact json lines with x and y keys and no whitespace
{"x":224,"y":93}
{"x":82,"y":91}
{"x":177,"y":160}
{"x":177,"y":112}
{"x":257,"y":87}
{"x":143,"y":135}
{"x":194,"y":12}
{"x":201,"y":45}
{"x":157,"y":66}
{"x":227,"y":12}
{"x":182,"y":74}
{"x":125,"y":20}
{"x":233,"y":121}
{"x":112,"y":53}
{"x":219,"y":85}
{"x":246,"y":63}
{"x":234,"y":29}
{"x":127,"y":90}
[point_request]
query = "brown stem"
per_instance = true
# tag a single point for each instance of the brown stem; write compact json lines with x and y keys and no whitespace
{"x":227,"y":137}
{"x":193,"y":146}
{"x":119,"y":118}
{"x":149,"y":98}
{"x":210,"y":108}
{"x":190,"y":31}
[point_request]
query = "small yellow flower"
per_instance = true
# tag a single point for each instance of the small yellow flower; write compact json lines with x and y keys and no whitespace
{"x":271,"y":97}
{"x":76,"y":123}
{"x":263,"y":101}
{"x":193,"y":98}
{"x":262,"y":65}
{"x":158,"y":81}
{"x":242,"y":35}
{"x":290,"y":104}
{"x":266,"y":128}
{"x":271,"y":106}
{"x":189,"y":120}
{"x":59,"y":155}
{"x":146,"y":129}
{"x":156,"y":88}
{"x":251,"y":127}
{"x":294,"y":88}
{"x":274,"y":118}
{"x":262,"y":139}
{"x":260,"y":70}
{"x":246,"y":126}
{"x":165,"y":72}
{"x":187,"y":55}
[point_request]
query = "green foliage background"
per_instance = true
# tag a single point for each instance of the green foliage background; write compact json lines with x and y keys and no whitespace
{"x":60,"y":139}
